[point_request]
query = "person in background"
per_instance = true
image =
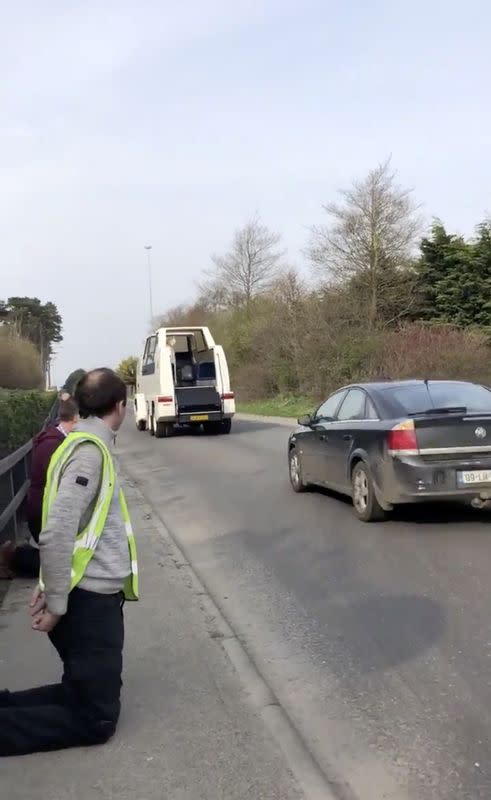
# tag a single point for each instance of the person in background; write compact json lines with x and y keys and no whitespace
{"x":23,"y":561}
{"x":66,"y":391}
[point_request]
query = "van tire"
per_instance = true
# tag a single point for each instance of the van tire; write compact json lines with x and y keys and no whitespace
{"x":141,"y":424}
{"x":226,"y":426}
{"x":223,"y":426}
{"x":211,"y":428}
{"x":163,"y":430}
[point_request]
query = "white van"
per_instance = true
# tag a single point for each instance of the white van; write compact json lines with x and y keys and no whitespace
{"x":183,"y":379}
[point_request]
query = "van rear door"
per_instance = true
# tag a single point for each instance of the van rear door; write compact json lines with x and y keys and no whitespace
{"x":223,"y":381}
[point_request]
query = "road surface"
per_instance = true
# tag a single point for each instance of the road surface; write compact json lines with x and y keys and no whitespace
{"x":187,"y":729}
{"x":375,"y":638}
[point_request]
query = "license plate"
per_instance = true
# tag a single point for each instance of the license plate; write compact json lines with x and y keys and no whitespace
{"x":201,"y":418}
{"x":476,"y":476}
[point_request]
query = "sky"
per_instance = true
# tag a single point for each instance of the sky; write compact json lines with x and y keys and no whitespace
{"x":172,"y":122}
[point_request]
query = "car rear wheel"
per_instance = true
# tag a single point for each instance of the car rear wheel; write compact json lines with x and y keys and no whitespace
{"x":295,"y":470}
{"x":367,"y":508}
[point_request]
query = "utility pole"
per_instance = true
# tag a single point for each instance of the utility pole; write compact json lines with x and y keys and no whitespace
{"x":148,"y":248}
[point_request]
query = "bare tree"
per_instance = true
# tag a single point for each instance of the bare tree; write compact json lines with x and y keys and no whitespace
{"x":369,"y":244}
{"x":249,"y":267}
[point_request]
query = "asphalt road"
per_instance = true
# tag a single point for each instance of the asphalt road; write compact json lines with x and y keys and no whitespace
{"x":375,"y":638}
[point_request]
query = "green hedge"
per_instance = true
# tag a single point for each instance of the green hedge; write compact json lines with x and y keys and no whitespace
{"x":21,"y":416}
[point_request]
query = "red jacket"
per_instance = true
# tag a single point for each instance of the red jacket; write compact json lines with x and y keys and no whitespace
{"x":43,"y":447}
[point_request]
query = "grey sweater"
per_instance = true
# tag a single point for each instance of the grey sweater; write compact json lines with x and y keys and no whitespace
{"x":69,"y":515}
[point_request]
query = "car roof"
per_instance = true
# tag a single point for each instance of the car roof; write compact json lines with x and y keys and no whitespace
{"x":378,"y":385}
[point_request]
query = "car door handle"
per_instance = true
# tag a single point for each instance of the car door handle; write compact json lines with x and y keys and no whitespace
{"x":347,"y":437}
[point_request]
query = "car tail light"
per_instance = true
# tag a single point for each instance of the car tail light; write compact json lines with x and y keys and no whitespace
{"x":402,"y":440}
{"x":165,"y":400}
{"x":228,"y":396}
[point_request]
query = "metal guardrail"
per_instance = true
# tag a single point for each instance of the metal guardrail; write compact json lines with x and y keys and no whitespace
{"x":14,"y":485}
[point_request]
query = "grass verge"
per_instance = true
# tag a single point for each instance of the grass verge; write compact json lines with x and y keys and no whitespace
{"x":278,"y":407}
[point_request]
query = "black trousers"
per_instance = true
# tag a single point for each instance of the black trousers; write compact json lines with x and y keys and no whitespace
{"x":84,"y":708}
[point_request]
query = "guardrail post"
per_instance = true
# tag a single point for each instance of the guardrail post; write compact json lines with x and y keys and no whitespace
{"x":12,"y":495}
{"x":6,"y":496}
{"x":14,"y":484}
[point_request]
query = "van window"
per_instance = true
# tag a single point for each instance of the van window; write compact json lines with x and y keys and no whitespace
{"x":178,"y":342}
{"x":148,"y":364}
{"x":199,"y":342}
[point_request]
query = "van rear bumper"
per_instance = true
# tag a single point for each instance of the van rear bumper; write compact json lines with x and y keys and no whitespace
{"x":197,"y":417}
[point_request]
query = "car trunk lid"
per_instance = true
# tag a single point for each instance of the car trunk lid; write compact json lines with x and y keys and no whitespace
{"x":451,"y":432}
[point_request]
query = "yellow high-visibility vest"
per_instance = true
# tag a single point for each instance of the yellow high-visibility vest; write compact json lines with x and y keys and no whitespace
{"x":87,"y":540}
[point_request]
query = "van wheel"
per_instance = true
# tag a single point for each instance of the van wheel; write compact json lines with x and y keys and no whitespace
{"x":212,"y":428}
{"x":163,"y":430}
{"x":226,"y":426}
{"x":141,"y":424}
{"x":367,"y":507}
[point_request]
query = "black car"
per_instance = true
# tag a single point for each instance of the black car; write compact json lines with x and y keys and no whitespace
{"x":397,"y":442}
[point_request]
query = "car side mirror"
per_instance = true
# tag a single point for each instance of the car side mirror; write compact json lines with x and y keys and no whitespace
{"x":305,"y":421}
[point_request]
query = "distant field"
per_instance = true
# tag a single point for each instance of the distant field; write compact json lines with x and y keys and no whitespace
{"x":278,"y":407}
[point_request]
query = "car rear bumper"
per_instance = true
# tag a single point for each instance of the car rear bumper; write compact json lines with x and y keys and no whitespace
{"x":410,"y":480}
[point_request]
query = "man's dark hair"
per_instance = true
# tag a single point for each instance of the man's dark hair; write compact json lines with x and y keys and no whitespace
{"x":99,"y":392}
{"x":68,"y":410}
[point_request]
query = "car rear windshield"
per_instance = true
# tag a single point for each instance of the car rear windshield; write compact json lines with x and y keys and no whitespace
{"x":412,"y":399}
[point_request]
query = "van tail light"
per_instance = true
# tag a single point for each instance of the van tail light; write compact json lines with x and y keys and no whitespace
{"x":402,"y":440}
{"x":165,"y":399}
{"x":228,"y":396}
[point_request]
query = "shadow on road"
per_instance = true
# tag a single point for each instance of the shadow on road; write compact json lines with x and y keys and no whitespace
{"x":250,"y":426}
{"x":379,"y":632}
{"x":358,"y":623}
{"x":429,"y":513}
{"x":238,"y":427}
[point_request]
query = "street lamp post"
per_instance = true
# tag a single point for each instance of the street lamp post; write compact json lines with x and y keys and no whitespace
{"x":148,"y":248}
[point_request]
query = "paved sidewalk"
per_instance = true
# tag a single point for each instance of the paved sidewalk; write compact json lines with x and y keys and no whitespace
{"x":188,"y":730}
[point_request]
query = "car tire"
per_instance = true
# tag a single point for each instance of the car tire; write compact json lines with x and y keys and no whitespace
{"x":141,"y":425}
{"x":295,"y":472}
{"x":366,"y":506}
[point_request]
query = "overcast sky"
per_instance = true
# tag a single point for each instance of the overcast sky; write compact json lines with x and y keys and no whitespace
{"x":170,"y":122}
